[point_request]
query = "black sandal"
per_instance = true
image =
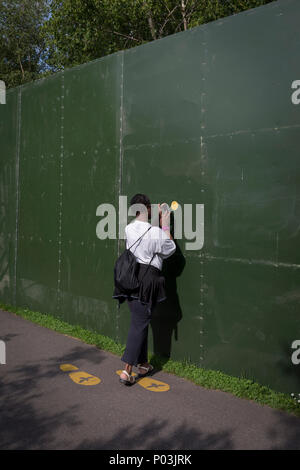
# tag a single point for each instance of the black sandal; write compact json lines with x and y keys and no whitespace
{"x":148,"y":370}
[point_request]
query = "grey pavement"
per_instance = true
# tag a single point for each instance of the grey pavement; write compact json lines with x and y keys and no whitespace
{"x":42,"y":408}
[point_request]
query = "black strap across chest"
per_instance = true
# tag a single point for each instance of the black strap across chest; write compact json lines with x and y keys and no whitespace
{"x":137,"y":245}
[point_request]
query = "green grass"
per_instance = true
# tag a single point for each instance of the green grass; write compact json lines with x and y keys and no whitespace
{"x":211,"y":379}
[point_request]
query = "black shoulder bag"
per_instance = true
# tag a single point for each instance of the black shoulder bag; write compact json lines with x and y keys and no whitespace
{"x":126,"y":270}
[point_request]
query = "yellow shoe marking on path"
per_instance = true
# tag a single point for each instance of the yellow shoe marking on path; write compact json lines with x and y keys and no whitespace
{"x":83,"y":378}
{"x":80,"y":377}
{"x":149,"y":383}
{"x":68,"y":367}
{"x":153,"y":385}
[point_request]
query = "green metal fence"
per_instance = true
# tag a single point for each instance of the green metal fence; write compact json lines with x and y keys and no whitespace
{"x":207,"y":116}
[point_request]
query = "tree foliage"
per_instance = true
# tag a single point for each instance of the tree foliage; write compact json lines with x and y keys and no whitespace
{"x":22,"y":45}
{"x":77,"y":31}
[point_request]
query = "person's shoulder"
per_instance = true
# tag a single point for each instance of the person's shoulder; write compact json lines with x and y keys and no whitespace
{"x":128,"y":226}
{"x":157,"y":233}
{"x":155,"y":229}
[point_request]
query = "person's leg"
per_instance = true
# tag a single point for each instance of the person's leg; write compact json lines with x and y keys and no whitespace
{"x":143,"y":356}
{"x":137,"y":340}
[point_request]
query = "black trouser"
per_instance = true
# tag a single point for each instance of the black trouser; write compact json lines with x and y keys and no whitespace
{"x":136,"y":351}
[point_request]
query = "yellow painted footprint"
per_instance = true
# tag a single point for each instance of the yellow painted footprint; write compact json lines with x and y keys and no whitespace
{"x":80,"y":377}
{"x":150,"y":384}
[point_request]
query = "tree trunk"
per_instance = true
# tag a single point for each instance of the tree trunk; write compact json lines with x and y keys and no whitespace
{"x":183,"y":12}
{"x":21,"y":67}
{"x":150,"y":22}
{"x":151,"y":25}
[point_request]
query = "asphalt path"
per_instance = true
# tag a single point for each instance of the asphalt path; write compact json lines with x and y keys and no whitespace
{"x":47,"y":404}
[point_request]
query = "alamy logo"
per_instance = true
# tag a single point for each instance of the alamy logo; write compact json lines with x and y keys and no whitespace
{"x":2,"y":352}
{"x":296,"y":354}
{"x":183,"y":221}
{"x":2,"y":92}
{"x":296,"y":94}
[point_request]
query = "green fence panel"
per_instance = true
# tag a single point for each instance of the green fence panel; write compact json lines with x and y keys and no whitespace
{"x":37,"y":260}
{"x":9,"y":171}
{"x":252,"y":195}
{"x":89,"y":177}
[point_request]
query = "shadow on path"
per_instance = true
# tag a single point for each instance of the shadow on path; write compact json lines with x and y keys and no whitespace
{"x":168,"y":313}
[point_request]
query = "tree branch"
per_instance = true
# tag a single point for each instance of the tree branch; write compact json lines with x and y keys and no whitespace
{"x":123,"y":35}
{"x":187,"y":16}
{"x":21,"y":66}
{"x":167,"y":19}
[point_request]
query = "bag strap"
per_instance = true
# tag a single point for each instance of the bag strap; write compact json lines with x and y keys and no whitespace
{"x":153,"y":254}
{"x":140,"y":237}
{"x":148,"y":266}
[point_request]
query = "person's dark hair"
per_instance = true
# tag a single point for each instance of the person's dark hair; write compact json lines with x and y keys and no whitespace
{"x":140,"y":199}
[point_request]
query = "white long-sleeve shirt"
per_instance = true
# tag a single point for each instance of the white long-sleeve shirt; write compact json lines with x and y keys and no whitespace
{"x":154,"y":241}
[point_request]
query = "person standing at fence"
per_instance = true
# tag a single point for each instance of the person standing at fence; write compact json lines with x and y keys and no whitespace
{"x":150,"y":251}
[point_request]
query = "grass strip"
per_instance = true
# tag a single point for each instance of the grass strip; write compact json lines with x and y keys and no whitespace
{"x":210,"y":379}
